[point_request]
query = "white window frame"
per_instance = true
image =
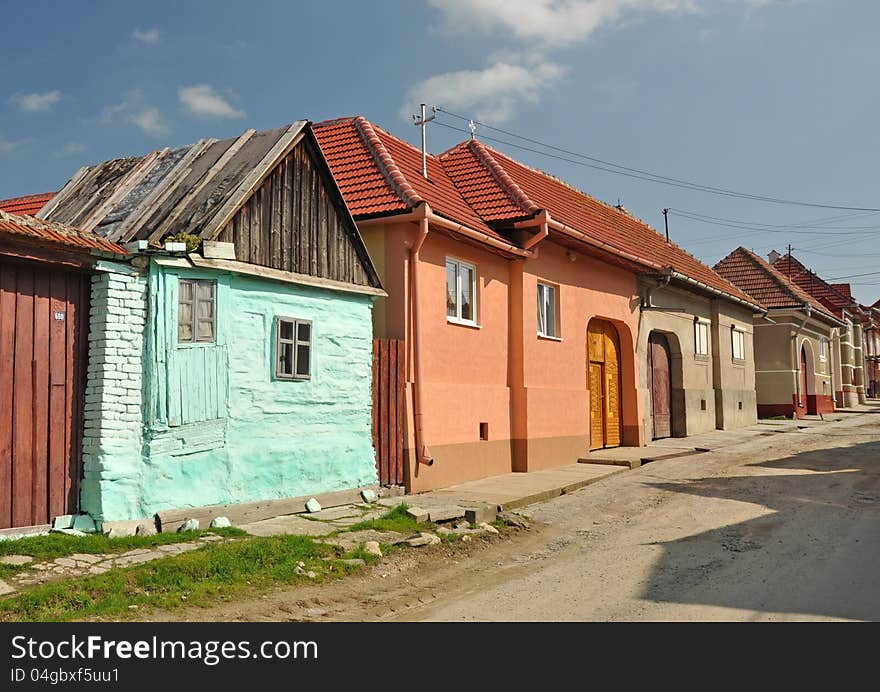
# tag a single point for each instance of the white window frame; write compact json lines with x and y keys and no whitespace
{"x":737,"y":336}
{"x":545,"y":329}
{"x":457,"y":318}
{"x":701,"y":325}
{"x":295,"y":343}
{"x":823,"y":348}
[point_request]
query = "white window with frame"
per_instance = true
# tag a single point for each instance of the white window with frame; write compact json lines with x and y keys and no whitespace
{"x":461,"y":292}
{"x":823,"y":348}
{"x":701,"y":337}
{"x":548,"y":311}
{"x":738,"y":343}
{"x":293,"y":349}
{"x":196,"y":311}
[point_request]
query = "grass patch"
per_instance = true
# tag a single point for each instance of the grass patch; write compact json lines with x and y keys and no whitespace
{"x":53,"y":545}
{"x":395,"y":520}
{"x":216,"y":571}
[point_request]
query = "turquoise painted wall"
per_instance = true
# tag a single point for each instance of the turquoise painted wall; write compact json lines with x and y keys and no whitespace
{"x":220,"y":428}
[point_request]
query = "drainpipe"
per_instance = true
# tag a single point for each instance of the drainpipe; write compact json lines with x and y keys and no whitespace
{"x":423,"y":456}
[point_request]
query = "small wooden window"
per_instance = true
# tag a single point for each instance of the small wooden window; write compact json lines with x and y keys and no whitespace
{"x":196,"y":312}
{"x":293,"y":349}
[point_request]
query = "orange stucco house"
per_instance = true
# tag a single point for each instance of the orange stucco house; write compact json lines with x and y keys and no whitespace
{"x":519,"y":300}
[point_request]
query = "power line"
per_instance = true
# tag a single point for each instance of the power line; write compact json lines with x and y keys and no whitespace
{"x":759,"y":226}
{"x":611,"y":167}
{"x":712,"y":221}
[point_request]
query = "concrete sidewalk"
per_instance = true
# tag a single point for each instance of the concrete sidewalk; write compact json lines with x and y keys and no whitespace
{"x":511,"y":490}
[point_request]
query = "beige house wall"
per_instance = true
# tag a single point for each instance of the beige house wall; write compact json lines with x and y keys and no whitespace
{"x":708,"y":392}
{"x":777,"y":359}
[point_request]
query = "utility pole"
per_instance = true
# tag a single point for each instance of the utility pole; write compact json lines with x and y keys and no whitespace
{"x":789,"y":263}
{"x":422,"y":122}
{"x":666,"y":222}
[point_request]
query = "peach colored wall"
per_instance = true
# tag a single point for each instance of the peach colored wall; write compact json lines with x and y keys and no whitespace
{"x":502,"y":373}
{"x":555,"y":375}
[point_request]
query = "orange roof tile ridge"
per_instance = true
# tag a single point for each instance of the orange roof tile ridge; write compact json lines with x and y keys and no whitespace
{"x":63,"y":231}
{"x":508,"y":184}
{"x":386,"y":162}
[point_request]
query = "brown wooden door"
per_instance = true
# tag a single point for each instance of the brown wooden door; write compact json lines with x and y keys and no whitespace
{"x":43,"y":321}
{"x":658,"y":382}
{"x":603,"y":353}
{"x":389,"y":409}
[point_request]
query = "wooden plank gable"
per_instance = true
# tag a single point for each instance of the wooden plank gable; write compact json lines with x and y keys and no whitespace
{"x":295,"y":220}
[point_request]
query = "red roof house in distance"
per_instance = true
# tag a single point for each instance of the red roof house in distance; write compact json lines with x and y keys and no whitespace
{"x":519,"y":301}
{"x":852,"y":362}
{"x":29,"y":205}
{"x":793,"y":340}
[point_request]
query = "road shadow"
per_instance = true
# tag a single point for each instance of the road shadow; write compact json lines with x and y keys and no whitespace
{"x":815,"y":552}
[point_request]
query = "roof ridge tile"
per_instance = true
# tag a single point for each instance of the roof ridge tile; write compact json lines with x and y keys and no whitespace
{"x":389,"y":167}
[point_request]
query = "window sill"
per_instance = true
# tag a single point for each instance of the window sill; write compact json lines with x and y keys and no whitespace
{"x":547,"y":337}
{"x":462,"y":323}
{"x":741,"y":362}
{"x":702,"y":358}
{"x":196,"y":344}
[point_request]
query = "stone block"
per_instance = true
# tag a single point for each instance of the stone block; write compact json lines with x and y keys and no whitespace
{"x":83,"y":522}
{"x":220,"y":523}
{"x":65,"y":521}
{"x":189,"y":525}
{"x":369,"y":495}
{"x":372,"y":548}
{"x":313,"y":505}
{"x":446,"y":513}
{"x":418,"y":514}
{"x":477,"y":515}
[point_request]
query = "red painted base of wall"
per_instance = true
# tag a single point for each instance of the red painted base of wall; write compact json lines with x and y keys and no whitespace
{"x":820,"y":403}
{"x":816,"y":404}
{"x":776,"y":410}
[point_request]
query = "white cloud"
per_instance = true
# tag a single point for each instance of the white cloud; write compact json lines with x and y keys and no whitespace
{"x":491,"y":93}
{"x":7,"y":146}
{"x":146,"y":36}
{"x":150,"y":121}
{"x":37,"y":102}
{"x":549,"y":22}
{"x":73,"y":148}
{"x":203,"y":101}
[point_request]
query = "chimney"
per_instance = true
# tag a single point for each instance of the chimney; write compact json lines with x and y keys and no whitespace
{"x":773,"y":256}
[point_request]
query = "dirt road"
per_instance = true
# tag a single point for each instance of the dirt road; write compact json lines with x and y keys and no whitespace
{"x":780,"y":528}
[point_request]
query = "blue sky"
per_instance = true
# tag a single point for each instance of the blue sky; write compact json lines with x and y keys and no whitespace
{"x":771,"y":97}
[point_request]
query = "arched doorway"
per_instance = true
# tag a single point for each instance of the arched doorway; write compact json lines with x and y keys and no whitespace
{"x":603,"y":376}
{"x":808,"y":380}
{"x":660,"y":384}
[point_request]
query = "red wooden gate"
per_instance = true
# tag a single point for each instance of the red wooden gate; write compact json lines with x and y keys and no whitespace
{"x":389,"y":380}
{"x":43,"y":322}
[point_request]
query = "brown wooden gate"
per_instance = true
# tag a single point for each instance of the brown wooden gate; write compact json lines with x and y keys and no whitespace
{"x":389,"y":409}
{"x":659,"y":384}
{"x":43,"y":336}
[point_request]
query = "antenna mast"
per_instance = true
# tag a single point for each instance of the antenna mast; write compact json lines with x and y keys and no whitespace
{"x":422,"y":122}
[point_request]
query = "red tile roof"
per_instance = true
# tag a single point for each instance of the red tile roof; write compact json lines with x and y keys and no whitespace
{"x":28,"y":205}
{"x":845,"y":289}
{"x":764,"y":283}
{"x":500,"y":188}
{"x":827,"y":294}
{"x":56,"y":233}
{"x":381,"y":174}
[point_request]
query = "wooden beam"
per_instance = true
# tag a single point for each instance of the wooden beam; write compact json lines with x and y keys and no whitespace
{"x":220,"y":164}
{"x":285,"y":276}
{"x":131,"y":224}
{"x":172,"y":519}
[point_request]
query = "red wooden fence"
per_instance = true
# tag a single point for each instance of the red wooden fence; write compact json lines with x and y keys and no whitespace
{"x":389,"y":380}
